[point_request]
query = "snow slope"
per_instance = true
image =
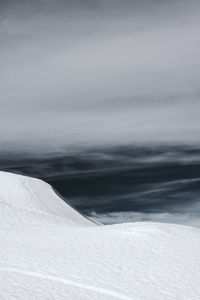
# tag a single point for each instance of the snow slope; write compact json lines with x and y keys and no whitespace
{"x":34,"y":195}
{"x":49,"y":251}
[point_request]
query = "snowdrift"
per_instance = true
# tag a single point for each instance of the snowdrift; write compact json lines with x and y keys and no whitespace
{"x":50,"y":251}
{"x":34,"y":195}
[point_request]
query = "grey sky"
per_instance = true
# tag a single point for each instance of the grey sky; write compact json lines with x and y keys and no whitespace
{"x":98,"y":72}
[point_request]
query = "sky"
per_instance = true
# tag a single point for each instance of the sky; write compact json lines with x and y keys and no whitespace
{"x":87,"y":73}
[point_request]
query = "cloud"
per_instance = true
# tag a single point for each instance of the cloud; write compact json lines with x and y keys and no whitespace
{"x":87,"y":74}
{"x":190,"y":219}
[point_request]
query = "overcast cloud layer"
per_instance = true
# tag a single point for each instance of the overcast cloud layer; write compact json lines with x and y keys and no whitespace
{"x":98,"y":73}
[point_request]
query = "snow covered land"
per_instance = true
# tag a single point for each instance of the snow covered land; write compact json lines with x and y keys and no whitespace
{"x":49,"y":251}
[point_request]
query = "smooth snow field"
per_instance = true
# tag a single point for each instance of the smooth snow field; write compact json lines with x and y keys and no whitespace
{"x":49,"y":251}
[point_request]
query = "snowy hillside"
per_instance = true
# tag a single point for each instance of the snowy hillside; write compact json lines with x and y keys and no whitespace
{"x":48,"y":251}
{"x":33,"y":195}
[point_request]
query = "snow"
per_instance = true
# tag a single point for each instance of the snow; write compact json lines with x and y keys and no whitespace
{"x":49,"y":251}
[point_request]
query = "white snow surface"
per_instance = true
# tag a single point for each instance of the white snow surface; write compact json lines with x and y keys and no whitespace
{"x":49,"y":251}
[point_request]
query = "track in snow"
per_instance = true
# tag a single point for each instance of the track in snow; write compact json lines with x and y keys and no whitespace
{"x":64,"y":281}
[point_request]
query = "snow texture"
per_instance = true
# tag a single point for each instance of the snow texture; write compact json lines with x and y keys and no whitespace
{"x":49,"y":251}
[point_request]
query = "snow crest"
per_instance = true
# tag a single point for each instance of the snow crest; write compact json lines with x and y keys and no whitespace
{"x":34,"y":195}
